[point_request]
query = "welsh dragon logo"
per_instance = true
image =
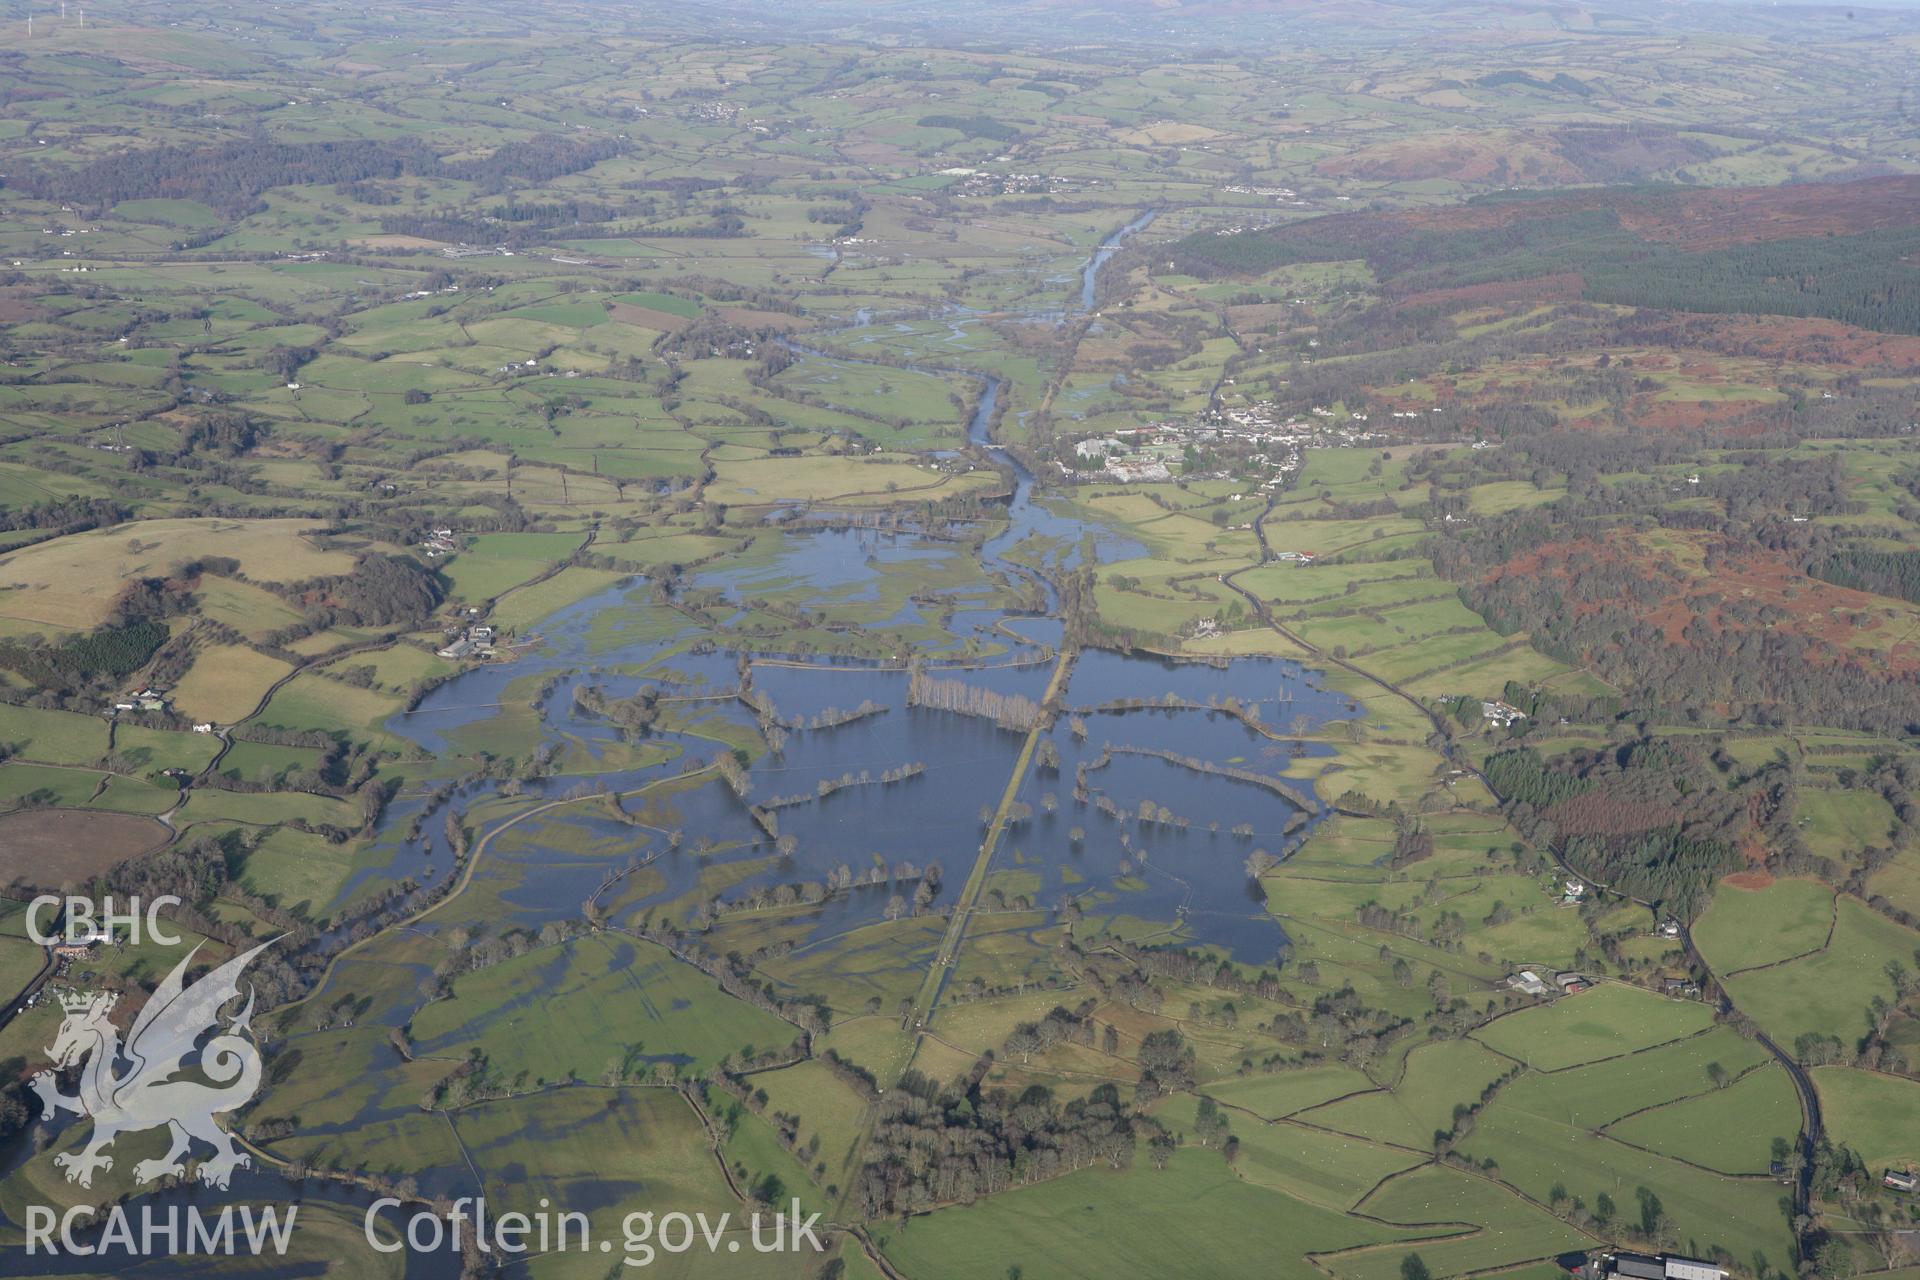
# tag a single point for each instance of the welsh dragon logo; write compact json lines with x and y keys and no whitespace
{"x":145,"y":1095}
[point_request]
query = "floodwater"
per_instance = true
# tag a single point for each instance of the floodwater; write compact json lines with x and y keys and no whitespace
{"x":1141,"y":821}
{"x":1182,"y":866}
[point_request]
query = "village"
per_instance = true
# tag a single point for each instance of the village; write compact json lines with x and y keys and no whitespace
{"x":981,"y":182}
{"x":1273,"y":443}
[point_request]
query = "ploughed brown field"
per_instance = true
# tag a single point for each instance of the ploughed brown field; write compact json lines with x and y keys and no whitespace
{"x":647,"y":317}
{"x":46,"y":848}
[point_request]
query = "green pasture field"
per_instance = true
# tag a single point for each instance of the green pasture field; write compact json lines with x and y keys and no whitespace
{"x":522,"y":610}
{"x":826,"y":1107}
{"x":183,"y":213}
{"x":1536,"y":1153}
{"x":827,"y":480}
{"x":1373,"y":594}
{"x":268,"y":808}
{"x":226,"y":683}
{"x":1839,"y":824}
{"x":1746,"y":928}
{"x":568,"y":1011}
{"x":1538,"y":930}
{"x":130,"y":795}
{"x":373,"y":977}
{"x":1339,"y":471}
{"x":1122,"y":1225}
{"x":1434,"y":664}
{"x":479,"y":577}
{"x":976,"y":1026}
{"x":1828,"y":993}
{"x":1877,"y":1115}
{"x":1509,"y":495}
{"x":526,"y":546}
{"x":924,"y":400}
{"x":1329,"y":537}
{"x":667,"y":548}
{"x":251,"y":610}
{"x":38,"y":786}
{"x":873,"y":1044}
{"x":311,"y":701}
{"x":1489,"y":675}
{"x":399,"y":667}
{"x":67,"y":584}
{"x":1606,"y":1092}
{"x":1272,"y":1095}
{"x":754,"y":1153}
{"x":20,"y":961}
{"x":22,"y":486}
{"x":52,"y":737}
{"x":1899,"y":881}
{"x":1347,"y":954}
{"x":1434,"y":1080}
{"x":885,"y":960}
{"x":1331,"y":1170}
{"x":1733,"y":1129}
{"x":1386,"y":773}
{"x":296,"y":870}
{"x":1475,"y":1225}
{"x":322,"y":644}
{"x":610,"y":1153}
{"x":1604,"y":1022}
{"x":673,"y":306}
{"x":574,"y":315}
{"x":1345,"y":847}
